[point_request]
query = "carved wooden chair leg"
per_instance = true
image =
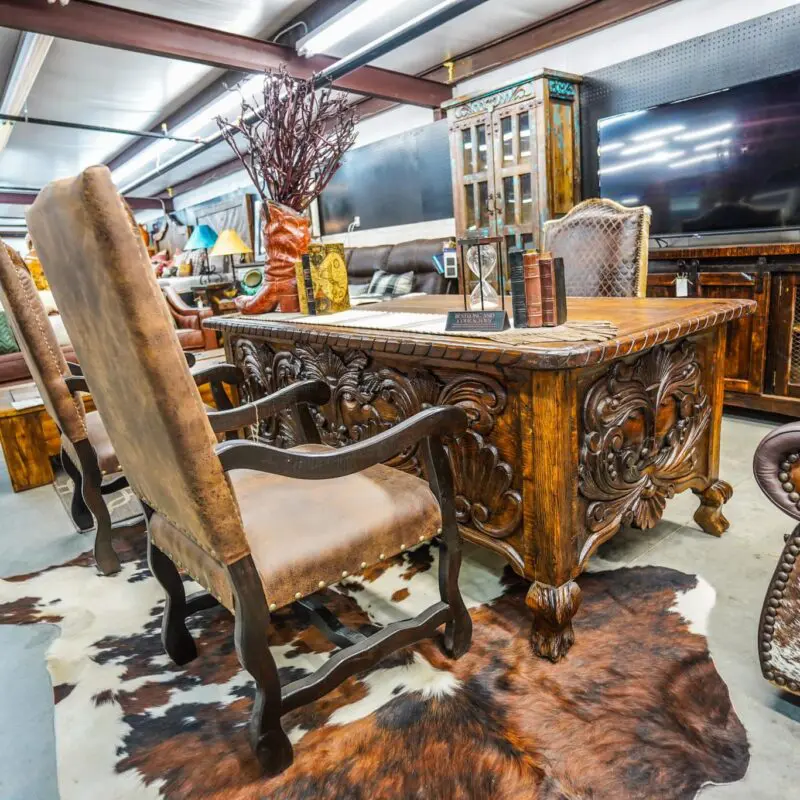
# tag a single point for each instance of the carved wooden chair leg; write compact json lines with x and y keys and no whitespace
{"x":175,"y":636}
{"x":79,"y":511}
{"x":105,"y":556}
{"x":267,"y":738}
{"x":458,"y":631}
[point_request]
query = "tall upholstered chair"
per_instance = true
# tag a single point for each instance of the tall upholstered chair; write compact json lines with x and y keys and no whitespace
{"x":257,"y":527}
{"x":604,"y":247}
{"x":777,"y":470}
{"x":86,"y":452}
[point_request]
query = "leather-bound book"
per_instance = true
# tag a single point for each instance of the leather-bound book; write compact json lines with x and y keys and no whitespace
{"x":519,"y":309}
{"x":308,"y":285}
{"x":561,"y":291}
{"x":533,"y":288}
{"x":549,"y":291}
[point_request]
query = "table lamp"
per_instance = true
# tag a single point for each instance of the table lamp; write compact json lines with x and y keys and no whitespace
{"x":203,"y":237}
{"x":228,"y":245}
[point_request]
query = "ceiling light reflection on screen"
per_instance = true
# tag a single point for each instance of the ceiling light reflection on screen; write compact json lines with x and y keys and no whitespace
{"x":703,"y":132}
{"x":697,"y":159}
{"x":656,"y":158}
{"x":643,"y":147}
{"x":710,"y":145}
{"x":610,"y":147}
{"x":654,"y":133}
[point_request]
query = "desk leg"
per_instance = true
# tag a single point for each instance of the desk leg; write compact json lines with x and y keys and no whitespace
{"x":551,"y":516}
{"x":25,"y":451}
{"x":709,"y":516}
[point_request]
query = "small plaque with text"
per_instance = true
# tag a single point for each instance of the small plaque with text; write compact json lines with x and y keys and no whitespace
{"x":468,"y":321}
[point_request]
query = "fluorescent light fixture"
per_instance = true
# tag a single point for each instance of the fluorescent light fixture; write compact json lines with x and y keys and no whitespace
{"x":697,"y":159}
{"x":654,"y":133}
{"x":690,"y":136}
{"x":656,"y":158}
{"x":604,"y":123}
{"x":31,"y":53}
{"x":629,"y":201}
{"x":643,"y":148}
{"x":610,"y":147}
{"x":715,"y":143}
{"x":354,"y":18}
{"x":227,"y":103}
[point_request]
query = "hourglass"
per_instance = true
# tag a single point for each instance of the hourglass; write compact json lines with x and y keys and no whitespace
{"x":482,"y":265}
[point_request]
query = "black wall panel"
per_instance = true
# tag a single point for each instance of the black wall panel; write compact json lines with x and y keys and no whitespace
{"x":752,"y":50}
{"x":396,"y":181}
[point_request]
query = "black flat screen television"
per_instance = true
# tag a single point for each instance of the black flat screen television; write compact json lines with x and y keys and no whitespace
{"x":726,"y":161}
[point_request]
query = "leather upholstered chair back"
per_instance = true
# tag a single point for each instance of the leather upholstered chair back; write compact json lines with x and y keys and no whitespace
{"x":112,"y":307}
{"x":604,"y":247}
{"x":38,"y":344}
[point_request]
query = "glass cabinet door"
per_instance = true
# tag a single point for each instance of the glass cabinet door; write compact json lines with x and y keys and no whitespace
{"x":516,"y":198}
{"x":474,"y":175}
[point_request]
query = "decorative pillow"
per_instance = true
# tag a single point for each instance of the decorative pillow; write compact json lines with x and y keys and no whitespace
{"x":357,"y":290}
{"x":48,"y":301}
{"x":387,"y":285}
{"x":8,"y":342}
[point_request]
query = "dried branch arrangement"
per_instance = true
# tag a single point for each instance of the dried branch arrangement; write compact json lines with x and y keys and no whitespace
{"x":294,"y":137}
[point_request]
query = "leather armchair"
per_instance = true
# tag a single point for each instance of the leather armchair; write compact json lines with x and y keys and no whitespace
{"x":777,"y":471}
{"x":189,"y":322}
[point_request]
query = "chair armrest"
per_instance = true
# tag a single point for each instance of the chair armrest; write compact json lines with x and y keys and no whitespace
{"x":76,"y":383}
{"x":317,"y":392}
{"x":221,"y":373}
{"x":431,"y":423}
{"x":776,"y":449}
{"x":177,"y":303}
{"x":74,"y":369}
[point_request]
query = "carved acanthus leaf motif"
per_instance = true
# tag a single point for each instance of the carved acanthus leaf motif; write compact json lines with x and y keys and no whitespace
{"x":642,"y":422}
{"x":367,"y":401}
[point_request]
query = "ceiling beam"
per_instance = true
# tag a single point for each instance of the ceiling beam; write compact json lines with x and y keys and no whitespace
{"x":571,"y":23}
{"x":109,"y":26}
{"x":136,"y":203}
{"x":312,"y":17}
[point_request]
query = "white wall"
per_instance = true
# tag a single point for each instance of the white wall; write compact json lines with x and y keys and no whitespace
{"x":436,"y":229}
{"x":654,"y":30}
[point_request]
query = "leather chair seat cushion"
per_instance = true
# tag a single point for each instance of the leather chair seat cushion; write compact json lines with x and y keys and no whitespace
{"x":190,"y":338}
{"x":98,"y":438}
{"x":302,"y":533}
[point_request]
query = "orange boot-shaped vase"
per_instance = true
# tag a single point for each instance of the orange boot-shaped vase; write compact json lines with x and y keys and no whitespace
{"x":287,"y":235}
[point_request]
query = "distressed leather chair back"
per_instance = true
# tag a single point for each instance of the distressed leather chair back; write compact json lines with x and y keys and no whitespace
{"x":604,"y":247}
{"x":100,"y":275}
{"x":37,"y":341}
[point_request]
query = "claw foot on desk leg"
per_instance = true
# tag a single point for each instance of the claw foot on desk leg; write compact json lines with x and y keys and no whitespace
{"x":709,"y":516}
{"x":553,"y":608}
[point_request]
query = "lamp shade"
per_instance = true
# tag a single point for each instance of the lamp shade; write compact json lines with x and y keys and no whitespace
{"x":229,"y":243}
{"x":203,"y":236}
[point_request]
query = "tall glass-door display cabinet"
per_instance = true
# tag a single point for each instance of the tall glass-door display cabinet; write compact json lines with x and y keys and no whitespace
{"x":515,"y":157}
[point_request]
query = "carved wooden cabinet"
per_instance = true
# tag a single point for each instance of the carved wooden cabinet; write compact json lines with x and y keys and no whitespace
{"x":515,"y":158}
{"x":762,"y":357}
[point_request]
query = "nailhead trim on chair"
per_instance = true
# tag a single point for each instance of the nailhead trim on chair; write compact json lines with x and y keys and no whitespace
{"x":775,"y":600}
{"x":346,"y":574}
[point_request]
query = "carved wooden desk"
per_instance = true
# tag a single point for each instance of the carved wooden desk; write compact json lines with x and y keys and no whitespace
{"x":566,"y":443}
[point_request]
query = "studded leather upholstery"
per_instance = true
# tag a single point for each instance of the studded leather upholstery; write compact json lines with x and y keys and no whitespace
{"x":604,"y":247}
{"x":38,"y":344}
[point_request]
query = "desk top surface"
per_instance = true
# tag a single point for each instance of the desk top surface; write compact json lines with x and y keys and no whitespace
{"x":641,"y":322}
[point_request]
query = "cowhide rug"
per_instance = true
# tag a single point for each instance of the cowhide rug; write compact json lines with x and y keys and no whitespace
{"x":637,"y":709}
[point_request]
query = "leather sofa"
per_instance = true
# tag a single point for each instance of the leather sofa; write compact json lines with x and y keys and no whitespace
{"x":415,"y":256}
{"x":13,"y":367}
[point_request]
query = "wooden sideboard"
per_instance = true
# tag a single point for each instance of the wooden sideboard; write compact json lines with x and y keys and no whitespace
{"x":762,"y":357}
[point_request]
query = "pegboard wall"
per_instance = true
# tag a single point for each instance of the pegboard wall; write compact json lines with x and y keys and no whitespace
{"x":756,"y":49}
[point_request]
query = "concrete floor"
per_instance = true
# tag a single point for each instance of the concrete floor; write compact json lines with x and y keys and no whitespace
{"x":35,"y":533}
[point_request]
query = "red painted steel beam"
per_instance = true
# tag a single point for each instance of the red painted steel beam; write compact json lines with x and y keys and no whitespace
{"x":108,"y":26}
{"x":136,"y":203}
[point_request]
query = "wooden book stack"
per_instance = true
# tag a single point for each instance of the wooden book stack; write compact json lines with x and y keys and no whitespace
{"x":545,"y":299}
